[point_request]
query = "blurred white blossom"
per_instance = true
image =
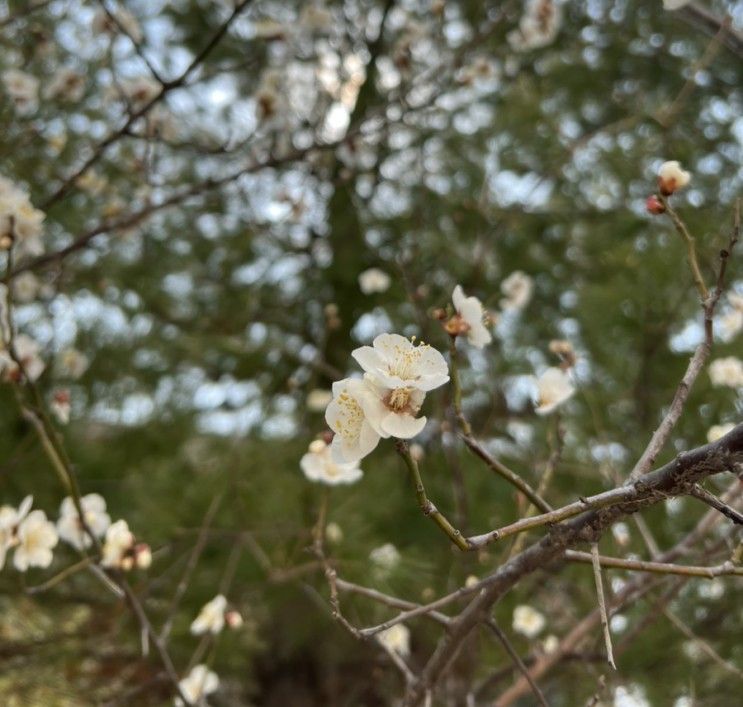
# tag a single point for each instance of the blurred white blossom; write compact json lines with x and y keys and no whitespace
{"x":197,"y":685}
{"x":36,"y":538}
{"x":396,"y":638}
{"x":374,"y":280}
{"x":528,"y":621}
{"x":23,"y":90}
{"x":726,"y":372}
{"x":318,"y":465}
{"x":470,"y":318}
{"x":716,"y":431}
{"x":553,"y":389}
{"x":211,"y":617}
{"x":671,"y":177}
{"x":70,"y":527}
{"x":517,"y":289}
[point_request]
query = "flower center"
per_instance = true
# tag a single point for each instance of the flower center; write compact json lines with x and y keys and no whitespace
{"x":399,"y":399}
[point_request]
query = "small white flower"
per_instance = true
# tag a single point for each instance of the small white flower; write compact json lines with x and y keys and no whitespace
{"x":550,"y":644}
{"x":318,"y":465}
{"x":10,"y":518}
{"x":471,"y":581}
{"x":726,"y":372}
{"x":528,"y":621}
{"x":66,"y":84}
{"x":671,"y":177}
{"x":333,"y":533}
{"x":354,"y":435}
{"x":23,"y":90}
{"x":72,"y":363}
{"x":60,"y":406}
{"x":620,"y":531}
{"x":397,"y":639}
{"x":71,"y":529}
{"x":538,"y":26}
{"x":517,"y":288}
{"x":395,"y":362}
{"x":736,"y":301}
{"x":140,"y":91}
{"x":374,"y":280}
{"x":36,"y":538}
{"x":318,"y":399}
{"x":717,"y":431}
{"x":25,"y":287}
{"x":211,"y":617}
{"x":102,"y":23}
{"x":553,"y":389}
{"x":199,"y":683}
{"x":392,"y":411}
{"x":117,"y":549}
{"x":417,"y":451}
{"x":472,"y":315}
{"x":27,"y":352}
{"x":20,"y":222}
{"x":731,"y":324}
{"x":385,"y":558}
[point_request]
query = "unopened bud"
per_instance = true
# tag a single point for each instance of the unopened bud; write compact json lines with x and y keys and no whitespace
{"x":317,"y":446}
{"x":142,"y":556}
{"x":654,"y":205}
{"x":333,"y":533}
{"x":233,"y":619}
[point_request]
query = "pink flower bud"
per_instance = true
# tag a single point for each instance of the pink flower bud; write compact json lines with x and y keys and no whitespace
{"x":654,"y":205}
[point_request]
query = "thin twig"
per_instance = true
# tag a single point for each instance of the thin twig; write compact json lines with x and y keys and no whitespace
{"x":602,"y":603}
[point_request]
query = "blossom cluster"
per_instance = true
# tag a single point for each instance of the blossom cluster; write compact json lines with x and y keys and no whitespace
{"x":32,"y":536}
{"x":20,"y":222}
{"x":386,"y":401}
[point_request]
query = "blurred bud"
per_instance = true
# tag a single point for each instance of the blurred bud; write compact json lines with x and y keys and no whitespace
{"x":564,"y":351}
{"x":471,"y":581}
{"x":654,"y":205}
{"x":671,"y":177}
{"x":233,"y":619}
{"x":439,"y":314}
{"x":142,"y":556}
{"x":333,"y":533}
{"x":317,"y":446}
{"x":428,"y":594}
{"x":417,"y":451}
{"x":331,"y":310}
{"x":327,"y":436}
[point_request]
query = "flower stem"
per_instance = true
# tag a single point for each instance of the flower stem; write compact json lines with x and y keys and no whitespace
{"x":691,"y":249}
{"x":425,"y":504}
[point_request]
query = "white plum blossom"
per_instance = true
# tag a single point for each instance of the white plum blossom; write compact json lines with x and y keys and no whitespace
{"x":197,"y":685}
{"x":731,"y":324}
{"x":36,"y":538}
{"x":385,"y":557}
{"x":528,"y":621}
{"x":620,"y":531}
{"x":69,"y":526}
{"x":121,"y":551}
{"x":66,"y":84}
{"x":392,"y":411}
{"x":538,"y":26}
{"x":333,"y":533}
{"x":517,"y":289}
{"x":211,"y":618}
{"x":553,"y":389}
{"x":355,"y":437}
{"x":102,"y":23}
{"x":60,"y":406}
{"x":550,"y":644}
{"x":395,"y":362}
{"x":20,"y":222}
{"x":318,"y":399}
{"x":727,"y":372}
{"x":396,"y":639}
{"x":23,"y":90}
{"x":27,"y":352}
{"x":72,"y":363}
{"x":10,"y":519}
{"x":140,"y":91}
{"x":472,"y":316}
{"x":671,"y":177}
{"x":318,"y":465}
{"x":717,"y":431}
{"x":374,"y":280}
{"x":25,"y":287}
